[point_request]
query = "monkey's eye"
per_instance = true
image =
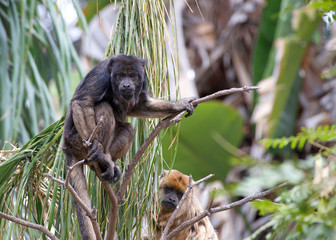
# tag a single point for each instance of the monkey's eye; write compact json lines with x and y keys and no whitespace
{"x":168,"y":190}
{"x":179,"y":194}
{"x":133,"y":75}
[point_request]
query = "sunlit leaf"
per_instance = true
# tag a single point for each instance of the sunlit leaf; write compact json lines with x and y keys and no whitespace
{"x":265,"y":206}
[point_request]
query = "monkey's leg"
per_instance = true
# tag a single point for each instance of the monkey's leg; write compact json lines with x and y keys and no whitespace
{"x":78,"y":182}
{"x":83,"y":117}
{"x":122,"y":141}
{"x":117,"y":149}
{"x":105,"y":137}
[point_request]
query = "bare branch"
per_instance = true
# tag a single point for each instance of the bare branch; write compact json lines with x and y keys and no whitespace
{"x":114,"y":203}
{"x":70,"y":169}
{"x":113,"y":211}
{"x":29,"y":225}
{"x":223,"y":93}
{"x":91,"y":213}
{"x":221,"y":209}
{"x":164,"y":124}
{"x":71,"y":190}
{"x":203,"y":179}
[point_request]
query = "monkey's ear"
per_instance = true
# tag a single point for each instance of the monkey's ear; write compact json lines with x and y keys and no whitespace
{"x":111,"y":60}
{"x":164,"y":174}
{"x":143,"y":62}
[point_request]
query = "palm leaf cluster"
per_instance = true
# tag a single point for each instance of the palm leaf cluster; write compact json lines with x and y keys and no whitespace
{"x":36,"y":52}
{"x":140,"y":29}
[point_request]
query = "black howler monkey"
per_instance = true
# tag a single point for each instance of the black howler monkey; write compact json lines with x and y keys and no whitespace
{"x":114,"y":89}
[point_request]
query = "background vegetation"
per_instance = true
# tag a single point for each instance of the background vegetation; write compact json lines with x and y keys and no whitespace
{"x":286,"y":47}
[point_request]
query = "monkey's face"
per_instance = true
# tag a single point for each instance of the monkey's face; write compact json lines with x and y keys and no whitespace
{"x":170,"y":197}
{"x":127,"y":77}
{"x":171,"y":188}
{"x":126,"y":84}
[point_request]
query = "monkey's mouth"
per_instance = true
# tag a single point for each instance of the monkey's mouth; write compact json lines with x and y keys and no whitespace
{"x":127,"y":94}
{"x":168,"y":204}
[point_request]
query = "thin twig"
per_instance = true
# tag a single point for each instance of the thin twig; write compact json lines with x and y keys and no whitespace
{"x":184,"y":197}
{"x":110,"y":232}
{"x":87,"y":143}
{"x":223,"y":93}
{"x":67,"y":185}
{"x":91,"y":213}
{"x":74,"y":194}
{"x":114,"y":208}
{"x":29,"y":225}
{"x":221,"y":209}
{"x":70,"y":169}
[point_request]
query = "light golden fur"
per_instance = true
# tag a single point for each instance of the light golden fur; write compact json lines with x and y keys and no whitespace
{"x":202,"y":230}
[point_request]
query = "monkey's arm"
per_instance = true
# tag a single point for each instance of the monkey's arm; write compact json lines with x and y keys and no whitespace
{"x":157,"y":108}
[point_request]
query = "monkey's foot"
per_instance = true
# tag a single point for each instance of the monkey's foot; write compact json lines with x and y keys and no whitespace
{"x":112,"y":175}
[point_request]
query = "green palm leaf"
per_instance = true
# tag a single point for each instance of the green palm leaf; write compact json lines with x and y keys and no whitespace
{"x":140,"y":29}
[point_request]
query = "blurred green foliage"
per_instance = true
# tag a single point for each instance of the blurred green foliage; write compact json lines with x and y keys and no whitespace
{"x":306,"y":210}
{"x":207,"y":141}
{"x":279,"y":51}
{"x":35,"y":51}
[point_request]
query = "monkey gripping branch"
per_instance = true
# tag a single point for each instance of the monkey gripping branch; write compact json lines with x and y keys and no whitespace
{"x":116,"y":198}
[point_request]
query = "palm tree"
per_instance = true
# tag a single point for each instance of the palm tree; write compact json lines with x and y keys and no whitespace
{"x":140,"y":29}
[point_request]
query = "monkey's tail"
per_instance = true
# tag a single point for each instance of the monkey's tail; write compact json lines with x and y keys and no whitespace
{"x":78,"y":182}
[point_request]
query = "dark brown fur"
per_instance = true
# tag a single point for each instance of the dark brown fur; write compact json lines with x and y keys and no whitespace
{"x":172,"y":186}
{"x":114,"y":89}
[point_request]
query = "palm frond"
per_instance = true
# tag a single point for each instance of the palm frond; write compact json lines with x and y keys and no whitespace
{"x":35,"y":51}
{"x":141,"y":29}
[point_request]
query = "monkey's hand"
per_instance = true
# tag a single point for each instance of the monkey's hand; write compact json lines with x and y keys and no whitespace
{"x":185,"y":105}
{"x":109,"y":171}
{"x":96,"y":151}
